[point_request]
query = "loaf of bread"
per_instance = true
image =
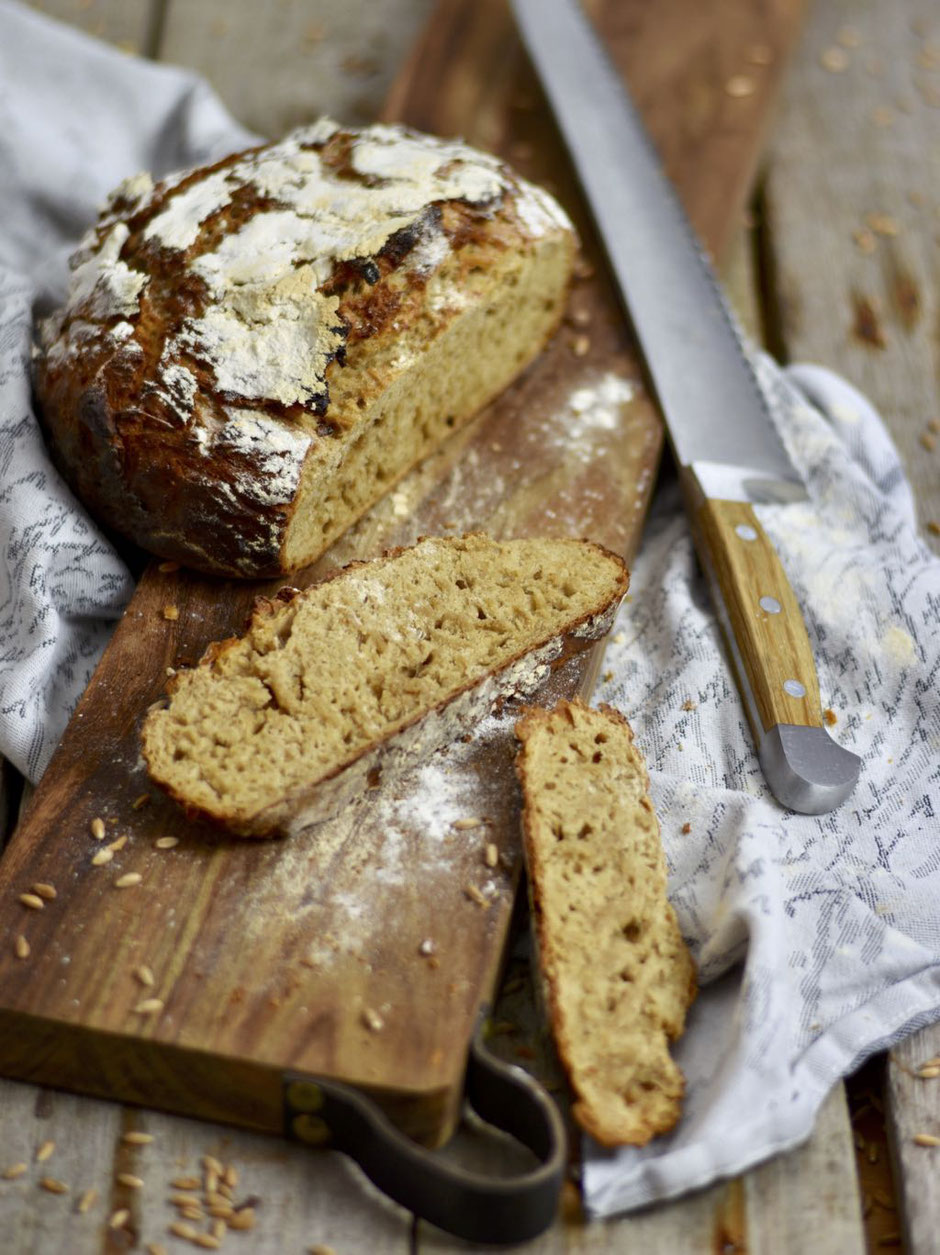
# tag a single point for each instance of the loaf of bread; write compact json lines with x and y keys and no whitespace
{"x":617,"y":975}
{"x":254,"y":352}
{"x":368,"y":672}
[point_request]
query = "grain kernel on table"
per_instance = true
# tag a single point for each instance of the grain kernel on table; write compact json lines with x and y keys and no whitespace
{"x":474,"y":894}
{"x":149,"y":1006}
{"x":464,"y":825}
{"x":243,"y":1219}
{"x":171,"y":613}
{"x":739,"y":86}
{"x":186,"y":1183}
{"x":882,"y":224}
{"x":30,"y":900}
{"x":87,"y":1201}
{"x":128,"y":880}
{"x":372,"y":1020}
{"x":211,"y":1164}
{"x":97,"y":828}
{"x":146,"y":977}
{"x":926,"y":1139}
{"x":207,"y":1241}
{"x":155,"y":1248}
{"x":119,"y":1218}
{"x":128,"y":1179}
{"x":491,"y":854}
{"x":45,"y":1152}
{"x":180,"y":1230}
{"x":133,"y":1137}
{"x":835,"y":60}
{"x":45,"y":891}
{"x":53,"y":1186}
{"x":14,"y":1171}
{"x":21,"y":947}
{"x":166,"y":843}
{"x":118,"y":843}
{"x":102,"y":857}
{"x":186,"y":1200}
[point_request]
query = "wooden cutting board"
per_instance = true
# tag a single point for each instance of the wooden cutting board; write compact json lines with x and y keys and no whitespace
{"x":362,"y":949}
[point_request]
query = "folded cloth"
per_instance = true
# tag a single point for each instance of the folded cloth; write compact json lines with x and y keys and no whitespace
{"x":817,"y":937}
{"x":76,"y":117}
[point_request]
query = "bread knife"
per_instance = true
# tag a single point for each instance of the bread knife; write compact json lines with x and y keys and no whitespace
{"x":727,"y":450}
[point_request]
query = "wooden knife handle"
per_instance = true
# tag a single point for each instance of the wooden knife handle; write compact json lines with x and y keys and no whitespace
{"x":764,"y":620}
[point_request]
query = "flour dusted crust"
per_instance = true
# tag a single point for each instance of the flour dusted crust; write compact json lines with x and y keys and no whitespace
{"x":253,"y":352}
{"x":617,"y":976}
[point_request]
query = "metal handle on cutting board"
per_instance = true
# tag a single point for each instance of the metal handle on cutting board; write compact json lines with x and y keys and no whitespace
{"x":470,"y":1205}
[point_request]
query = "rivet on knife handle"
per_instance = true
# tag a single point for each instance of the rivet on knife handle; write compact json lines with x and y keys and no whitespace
{"x":762,"y":621}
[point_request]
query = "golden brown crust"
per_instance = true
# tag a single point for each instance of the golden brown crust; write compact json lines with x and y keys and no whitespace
{"x":158,"y":437}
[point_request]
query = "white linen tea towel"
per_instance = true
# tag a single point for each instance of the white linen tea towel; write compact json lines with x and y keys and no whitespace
{"x":817,"y":938}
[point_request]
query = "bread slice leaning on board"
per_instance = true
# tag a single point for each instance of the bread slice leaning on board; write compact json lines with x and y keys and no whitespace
{"x":370,"y":671}
{"x":616,"y":973}
{"x":252,"y":353}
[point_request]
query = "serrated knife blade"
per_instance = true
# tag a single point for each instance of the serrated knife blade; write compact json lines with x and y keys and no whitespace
{"x":729,"y":454}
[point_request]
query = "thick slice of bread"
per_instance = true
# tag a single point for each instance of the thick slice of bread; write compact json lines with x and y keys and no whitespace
{"x":617,"y":975}
{"x":370,"y":671}
{"x":252,"y":353}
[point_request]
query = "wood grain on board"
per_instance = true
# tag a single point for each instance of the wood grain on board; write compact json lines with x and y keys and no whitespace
{"x":282,"y":954}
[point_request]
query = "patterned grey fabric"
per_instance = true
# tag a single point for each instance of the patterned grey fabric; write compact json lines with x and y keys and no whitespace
{"x":817,"y":938}
{"x":76,"y":117}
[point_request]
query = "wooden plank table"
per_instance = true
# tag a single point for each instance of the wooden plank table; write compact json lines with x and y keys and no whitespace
{"x":836,"y":261}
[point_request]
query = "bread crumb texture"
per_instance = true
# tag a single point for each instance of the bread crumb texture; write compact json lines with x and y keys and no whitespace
{"x":617,"y":975}
{"x":253,"y":352}
{"x":320,"y":682}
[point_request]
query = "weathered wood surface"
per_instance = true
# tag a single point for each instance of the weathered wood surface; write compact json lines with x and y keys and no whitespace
{"x":820,"y":1184}
{"x":912,"y":1111}
{"x":852,"y":204}
{"x":851,"y":234}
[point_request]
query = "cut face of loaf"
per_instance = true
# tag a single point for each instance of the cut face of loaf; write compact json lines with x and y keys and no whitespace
{"x":254,"y":352}
{"x":617,"y":974}
{"x":369,"y":672}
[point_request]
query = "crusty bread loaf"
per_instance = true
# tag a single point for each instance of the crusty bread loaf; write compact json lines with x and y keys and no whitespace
{"x":254,"y":352}
{"x":368,"y":672}
{"x":617,"y":975}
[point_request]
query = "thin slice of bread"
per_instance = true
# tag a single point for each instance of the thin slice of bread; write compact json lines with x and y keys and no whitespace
{"x":617,"y":975}
{"x":368,"y":672}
